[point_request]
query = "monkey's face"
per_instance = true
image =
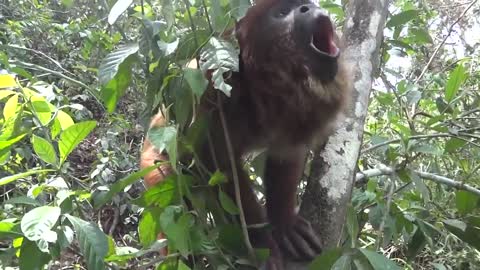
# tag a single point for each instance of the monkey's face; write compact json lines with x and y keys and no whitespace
{"x":291,"y":32}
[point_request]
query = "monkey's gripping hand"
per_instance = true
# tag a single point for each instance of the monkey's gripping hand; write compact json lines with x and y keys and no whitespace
{"x":297,"y":240}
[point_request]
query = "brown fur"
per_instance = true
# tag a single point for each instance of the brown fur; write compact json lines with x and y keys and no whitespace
{"x":276,"y":104}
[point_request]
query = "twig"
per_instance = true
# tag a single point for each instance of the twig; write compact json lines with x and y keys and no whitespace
{"x":116,"y":216}
{"x":381,"y":229}
{"x":443,"y":41}
{"x":236,"y":182}
{"x":39,"y":53}
{"x":158,"y":260}
{"x":423,"y":136}
{"x":385,"y":170}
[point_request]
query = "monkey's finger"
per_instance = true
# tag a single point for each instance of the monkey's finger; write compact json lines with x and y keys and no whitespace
{"x":288,"y":247}
{"x":306,"y":231}
{"x":301,"y":245}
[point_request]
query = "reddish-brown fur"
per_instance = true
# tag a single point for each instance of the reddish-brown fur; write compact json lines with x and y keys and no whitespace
{"x":276,"y":105}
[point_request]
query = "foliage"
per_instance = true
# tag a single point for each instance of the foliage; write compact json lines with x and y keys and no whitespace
{"x":71,"y":184}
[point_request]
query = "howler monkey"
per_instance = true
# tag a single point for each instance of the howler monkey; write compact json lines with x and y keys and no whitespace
{"x":289,"y":91}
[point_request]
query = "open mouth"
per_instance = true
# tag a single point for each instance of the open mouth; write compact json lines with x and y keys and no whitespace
{"x":322,"y":38}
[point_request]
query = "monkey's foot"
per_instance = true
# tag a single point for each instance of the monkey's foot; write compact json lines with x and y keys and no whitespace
{"x":298,"y":241}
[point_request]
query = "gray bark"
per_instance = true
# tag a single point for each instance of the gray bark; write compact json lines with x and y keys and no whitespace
{"x":330,"y":184}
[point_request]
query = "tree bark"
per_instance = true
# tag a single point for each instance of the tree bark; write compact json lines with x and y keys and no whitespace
{"x":331,"y":181}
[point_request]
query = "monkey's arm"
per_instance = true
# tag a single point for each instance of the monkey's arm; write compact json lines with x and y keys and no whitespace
{"x":294,"y":234}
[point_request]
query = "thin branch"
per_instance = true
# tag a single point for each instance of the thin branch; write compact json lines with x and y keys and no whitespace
{"x":424,"y":136}
{"x":385,"y":170}
{"x":437,"y":49}
{"x":61,"y":75}
{"x":236,"y":181}
{"x":39,"y":53}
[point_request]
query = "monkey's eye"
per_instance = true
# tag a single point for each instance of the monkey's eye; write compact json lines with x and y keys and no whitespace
{"x":282,"y":12}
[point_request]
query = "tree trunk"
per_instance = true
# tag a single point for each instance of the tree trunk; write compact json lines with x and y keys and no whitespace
{"x":330,"y":184}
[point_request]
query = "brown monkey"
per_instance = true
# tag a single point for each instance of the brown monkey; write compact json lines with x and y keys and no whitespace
{"x":289,"y":90}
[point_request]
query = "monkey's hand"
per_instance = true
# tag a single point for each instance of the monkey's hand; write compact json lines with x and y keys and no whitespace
{"x":297,"y":240}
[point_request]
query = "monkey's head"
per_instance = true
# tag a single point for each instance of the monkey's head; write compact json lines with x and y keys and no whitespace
{"x":294,"y":36}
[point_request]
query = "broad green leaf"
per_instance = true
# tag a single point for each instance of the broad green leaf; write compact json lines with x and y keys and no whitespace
{"x":42,"y":109}
{"x":416,"y":244}
{"x":239,"y":8}
{"x":453,"y":144}
{"x":217,"y":178}
{"x":6,"y":93}
{"x":121,"y":184}
{"x":402,"y":18}
{"x":149,"y":226}
{"x":167,"y":48}
{"x":160,"y":195}
{"x":72,"y":136}
{"x":117,"y":10}
{"x":67,"y":3}
{"x":421,"y":35}
{"x":469,"y":233}
{"x":7,"y":81}
{"x":326,"y":260}
{"x":111,"y":63}
{"x":93,"y":242}
{"x":465,"y":201}
{"x":38,"y":222}
{"x":196,"y":80}
{"x":64,"y":119}
{"x":23,"y":200}
{"x":378,"y":261}
{"x":114,"y":89}
{"x":10,"y":108}
{"x":8,"y":143}
{"x":227,"y":203}
{"x":8,"y":179}
{"x":165,"y":138}
{"x":9,"y":230}
{"x":343,"y":263}
{"x":221,"y":57}
{"x":183,"y":104}
{"x":44,"y":149}
{"x":455,"y":80}
{"x":31,"y":257}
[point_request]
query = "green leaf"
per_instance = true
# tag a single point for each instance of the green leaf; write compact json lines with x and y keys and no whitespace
{"x":10,"y":108}
{"x":9,"y":230}
{"x":416,"y":244}
{"x":465,"y":201}
{"x":378,"y":261}
{"x":453,"y":145}
{"x":8,"y":179}
{"x":343,"y":263}
{"x":72,"y":136}
{"x":402,"y":18}
{"x":165,"y":138}
{"x":121,"y":184}
{"x":227,"y":203}
{"x":93,"y":242}
{"x":196,"y":81}
{"x":352,"y":225}
{"x":160,"y":195}
{"x":44,"y":149}
{"x":38,"y":222}
{"x":221,"y":57}
{"x":149,"y":226}
{"x":23,"y":200}
{"x":31,"y":257}
{"x":217,"y":178}
{"x":117,"y":10}
{"x":115,"y":74}
{"x":326,"y":260}
{"x":421,"y":36}
{"x":111,"y":63}
{"x":455,"y":80}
